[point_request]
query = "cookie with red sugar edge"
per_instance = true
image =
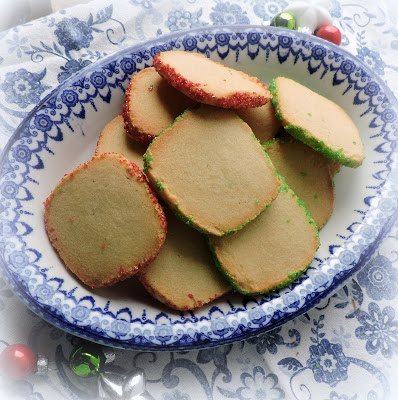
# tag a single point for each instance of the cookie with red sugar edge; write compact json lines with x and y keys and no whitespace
{"x":183,"y":276}
{"x":104,"y":220}
{"x":209,"y":82}
{"x":151,"y":105}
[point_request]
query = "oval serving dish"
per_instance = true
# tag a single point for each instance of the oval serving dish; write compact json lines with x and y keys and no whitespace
{"x":62,"y":133}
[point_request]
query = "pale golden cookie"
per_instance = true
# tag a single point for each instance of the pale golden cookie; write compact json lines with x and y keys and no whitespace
{"x":210,"y":82}
{"x":151,"y":105}
{"x":317,"y":122}
{"x":104,"y":220}
{"x":113,"y":139}
{"x":271,"y":251}
{"x":262,"y":121}
{"x":307,"y":173}
{"x":212,"y":171}
{"x":183,"y":276}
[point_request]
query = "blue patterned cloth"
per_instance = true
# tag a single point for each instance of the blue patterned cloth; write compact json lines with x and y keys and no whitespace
{"x":344,"y":349}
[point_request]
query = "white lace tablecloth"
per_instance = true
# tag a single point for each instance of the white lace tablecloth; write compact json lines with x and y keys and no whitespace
{"x":357,"y":327}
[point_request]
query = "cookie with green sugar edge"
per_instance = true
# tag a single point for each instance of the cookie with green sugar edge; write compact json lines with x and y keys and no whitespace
{"x":291,"y":276}
{"x":317,"y":121}
{"x":147,"y":157}
{"x":268,"y":254}
{"x":307,"y":172}
{"x":210,"y":164}
{"x":190,"y":221}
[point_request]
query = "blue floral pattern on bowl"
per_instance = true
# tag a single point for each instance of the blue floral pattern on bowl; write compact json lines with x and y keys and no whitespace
{"x":47,"y":142}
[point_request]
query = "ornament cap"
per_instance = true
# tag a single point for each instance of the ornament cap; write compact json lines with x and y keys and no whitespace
{"x":42,"y":365}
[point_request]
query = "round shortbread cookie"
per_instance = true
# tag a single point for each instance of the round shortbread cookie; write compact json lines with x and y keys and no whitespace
{"x":307,"y":173}
{"x":151,"y":105}
{"x":262,"y":121}
{"x":183,"y":276}
{"x":113,"y":139}
{"x":210,"y":82}
{"x":211,"y":170}
{"x":317,"y":122}
{"x":271,"y":251}
{"x":104,"y":220}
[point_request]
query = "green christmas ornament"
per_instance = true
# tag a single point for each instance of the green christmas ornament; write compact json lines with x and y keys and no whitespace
{"x":87,"y":360}
{"x":284,"y":20}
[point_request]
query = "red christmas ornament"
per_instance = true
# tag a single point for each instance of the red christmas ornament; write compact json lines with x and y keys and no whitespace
{"x":330,"y":33}
{"x":17,"y":361}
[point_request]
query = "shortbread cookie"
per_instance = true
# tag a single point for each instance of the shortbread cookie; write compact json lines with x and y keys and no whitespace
{"x":183,"y":276}
{"x":262,"y":121}
{"x":210,"y":82}
{"x":151,"y":105}
{"x":212,"y":171}
{"x":113,"y":139}
{"x":317,"y":121}
{"x":104,"y":220}
{"x":271,"y":251}
{"x":307,"y":173}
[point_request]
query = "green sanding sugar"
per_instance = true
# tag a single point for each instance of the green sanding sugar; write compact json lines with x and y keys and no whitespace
{"x":274,"y":99}
{"x":318,"y":145}
{"x":230,"y":232}
{"x":187,"y":220}
{"x":159,"y":185}
{"x":255,"y":137}
{"x":292,"y":276}
{"x":270,"y":143}
{"x":148,"y":158}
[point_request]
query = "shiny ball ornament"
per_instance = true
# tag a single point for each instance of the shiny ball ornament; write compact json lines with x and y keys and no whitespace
{"x":330,"y":33}
{"x":17,"y":361}
{"x":87,"y":360}
{"x":309,"y":15}
{"x":130,"y":386}
{"x":284,"y":20}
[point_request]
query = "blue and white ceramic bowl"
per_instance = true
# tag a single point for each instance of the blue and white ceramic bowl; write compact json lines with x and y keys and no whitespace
{"x":62,"y":132}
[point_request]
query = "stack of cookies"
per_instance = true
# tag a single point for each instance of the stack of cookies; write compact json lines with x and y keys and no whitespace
{"x":208,"y":181}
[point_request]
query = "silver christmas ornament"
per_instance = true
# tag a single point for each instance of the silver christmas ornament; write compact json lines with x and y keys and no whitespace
{"x":130,"y":386}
